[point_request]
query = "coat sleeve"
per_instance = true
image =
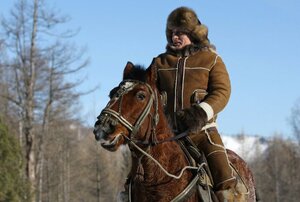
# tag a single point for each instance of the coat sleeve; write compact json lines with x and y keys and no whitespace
{"x":219,"y":89}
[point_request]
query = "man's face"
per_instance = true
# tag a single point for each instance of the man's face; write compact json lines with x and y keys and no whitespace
{"x":180,"y":39}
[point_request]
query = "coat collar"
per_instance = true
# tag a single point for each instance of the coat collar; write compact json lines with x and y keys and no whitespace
{"x":184,"y":52}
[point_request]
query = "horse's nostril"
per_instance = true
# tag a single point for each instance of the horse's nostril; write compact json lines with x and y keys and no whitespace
{"x":97,"y":137}
{"x":113,"y":123}
{"x":96,"y":134}
{"x":107,"y":128}
{"x":110,"y":128}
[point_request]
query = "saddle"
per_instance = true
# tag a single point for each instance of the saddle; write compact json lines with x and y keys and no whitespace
{"x":196,"y":158}
{"x":205,"y":182}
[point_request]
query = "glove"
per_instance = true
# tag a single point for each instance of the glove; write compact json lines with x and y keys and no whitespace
{"x":193,"y":118}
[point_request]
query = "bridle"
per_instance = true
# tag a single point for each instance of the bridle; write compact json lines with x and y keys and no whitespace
{"x":108,"y":113}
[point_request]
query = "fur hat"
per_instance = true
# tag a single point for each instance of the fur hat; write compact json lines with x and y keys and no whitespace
{"x":186,"y":20}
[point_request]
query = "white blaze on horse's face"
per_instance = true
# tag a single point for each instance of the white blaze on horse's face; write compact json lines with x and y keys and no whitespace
{"x":128,"y":85}
{"x":124,"y":88}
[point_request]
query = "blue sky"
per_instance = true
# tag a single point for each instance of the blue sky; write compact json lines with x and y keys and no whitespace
{"x":259,"y":41}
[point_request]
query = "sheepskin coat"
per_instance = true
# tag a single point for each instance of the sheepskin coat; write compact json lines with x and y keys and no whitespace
{"x":192,"y":75}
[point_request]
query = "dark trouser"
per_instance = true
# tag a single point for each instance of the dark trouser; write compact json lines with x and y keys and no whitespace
{"x":210,"y":142}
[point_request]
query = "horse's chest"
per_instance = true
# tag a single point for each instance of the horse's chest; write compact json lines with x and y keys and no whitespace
{"x":157,"y":193}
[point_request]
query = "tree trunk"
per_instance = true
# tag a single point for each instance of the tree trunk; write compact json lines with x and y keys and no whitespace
{"x":98,"y":177}
{"x":31,"y":90}
{"x":29,"y":106}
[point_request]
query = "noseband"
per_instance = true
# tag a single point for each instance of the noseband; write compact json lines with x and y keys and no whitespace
{"x":124,"y":87}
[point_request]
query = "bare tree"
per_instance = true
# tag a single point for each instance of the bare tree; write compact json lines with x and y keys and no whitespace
{"x":295,"y":120}
{"x":38,"y":90}
{"x":276,"y":171}
{"x":3,"y":84}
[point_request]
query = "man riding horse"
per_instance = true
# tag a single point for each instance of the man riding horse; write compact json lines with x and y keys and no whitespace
{"x":195,"y":84}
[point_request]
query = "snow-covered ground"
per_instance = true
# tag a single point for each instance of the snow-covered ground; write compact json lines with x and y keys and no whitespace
{"x":245,"y":146}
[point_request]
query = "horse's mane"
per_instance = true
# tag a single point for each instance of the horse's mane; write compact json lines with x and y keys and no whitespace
{"x":138,"y":72}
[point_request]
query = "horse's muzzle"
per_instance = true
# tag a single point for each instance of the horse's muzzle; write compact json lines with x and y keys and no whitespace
{"x":104,"y":126}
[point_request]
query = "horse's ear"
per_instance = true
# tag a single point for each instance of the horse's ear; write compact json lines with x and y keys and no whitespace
{"x":128,"y":68}
{"x":152,"y":74}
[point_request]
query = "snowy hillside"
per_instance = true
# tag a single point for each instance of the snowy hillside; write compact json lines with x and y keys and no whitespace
{"x":245,"y":146}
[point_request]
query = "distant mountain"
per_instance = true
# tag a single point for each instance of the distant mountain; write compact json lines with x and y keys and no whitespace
{"x":245,"y":146}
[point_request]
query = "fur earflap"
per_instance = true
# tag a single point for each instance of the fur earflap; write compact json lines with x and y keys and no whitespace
{"x":186,"y":20}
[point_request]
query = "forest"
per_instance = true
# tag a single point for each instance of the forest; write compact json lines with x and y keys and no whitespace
{"x":46,"y":152}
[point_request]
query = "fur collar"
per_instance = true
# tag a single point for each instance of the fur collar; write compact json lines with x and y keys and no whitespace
{"x":184,"y":52}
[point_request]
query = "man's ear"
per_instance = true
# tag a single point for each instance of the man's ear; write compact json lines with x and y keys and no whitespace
{"x":128,"y":68}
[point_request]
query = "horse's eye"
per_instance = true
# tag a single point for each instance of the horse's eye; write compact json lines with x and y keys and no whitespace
{"x":140,"y":96}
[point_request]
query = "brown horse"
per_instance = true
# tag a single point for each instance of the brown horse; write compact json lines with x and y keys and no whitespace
{"x":160,"y":169}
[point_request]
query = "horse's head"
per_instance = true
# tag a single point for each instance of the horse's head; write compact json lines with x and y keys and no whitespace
{"x":131,"y":113}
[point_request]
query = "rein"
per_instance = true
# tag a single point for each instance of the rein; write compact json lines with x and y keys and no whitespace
{"x":160,"y":166}
{"x":134,"y":128}
{"x":125,"y":87}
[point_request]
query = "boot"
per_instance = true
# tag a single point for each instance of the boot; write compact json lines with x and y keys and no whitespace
{"x":231,"y":195}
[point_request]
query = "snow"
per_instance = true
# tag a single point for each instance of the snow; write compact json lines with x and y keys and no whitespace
{"x":246,"y":146}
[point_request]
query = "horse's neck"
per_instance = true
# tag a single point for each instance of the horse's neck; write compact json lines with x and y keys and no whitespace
{"x":167,"y":155}
{"x":154,"y":182}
